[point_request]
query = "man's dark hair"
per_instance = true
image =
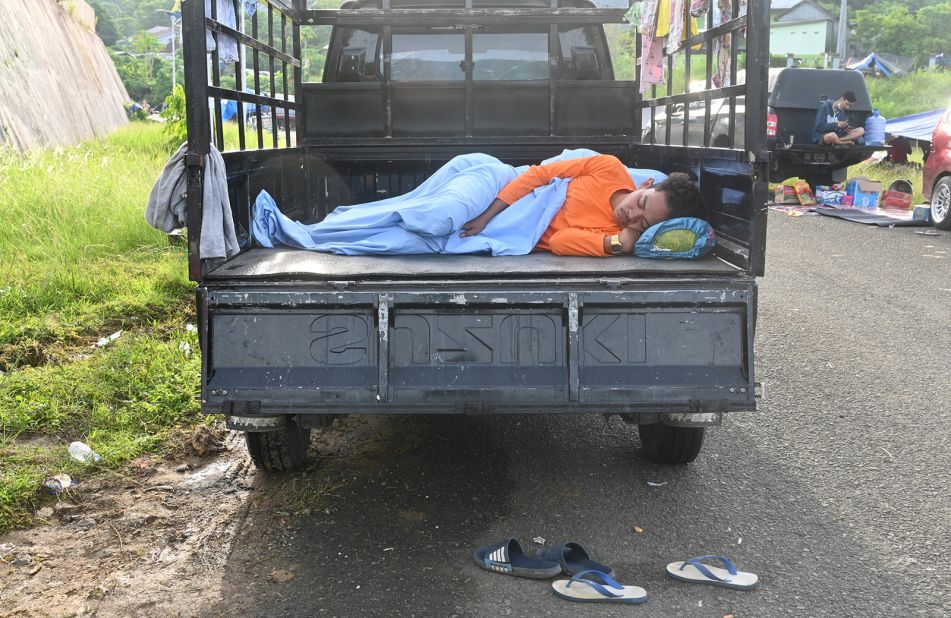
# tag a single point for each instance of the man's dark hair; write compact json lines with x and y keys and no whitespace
{"x":683,"y":196}
{"x":848,"y":95}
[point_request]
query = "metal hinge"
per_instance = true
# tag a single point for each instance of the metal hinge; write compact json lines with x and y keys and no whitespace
{"x":195,"y":160}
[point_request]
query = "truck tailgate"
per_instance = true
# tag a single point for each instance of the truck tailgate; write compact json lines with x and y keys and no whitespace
{"x":570,"y":344}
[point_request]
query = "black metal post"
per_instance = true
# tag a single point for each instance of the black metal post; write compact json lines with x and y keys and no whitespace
{"x":198,"y":119}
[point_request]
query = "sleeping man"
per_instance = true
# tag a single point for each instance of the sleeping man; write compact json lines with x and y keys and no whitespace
{"x":579,"y":203}
{"x":603,"y":212}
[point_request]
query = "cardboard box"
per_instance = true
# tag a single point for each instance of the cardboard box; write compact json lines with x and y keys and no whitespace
{"x":865,"y":193}
{"x":896,"y":199}
{"x":829,"y":197}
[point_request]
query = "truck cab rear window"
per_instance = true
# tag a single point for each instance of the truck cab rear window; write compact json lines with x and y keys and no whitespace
{"x":359,"y":58}
{"x":429,"y":57}
{"x":515,"y":56}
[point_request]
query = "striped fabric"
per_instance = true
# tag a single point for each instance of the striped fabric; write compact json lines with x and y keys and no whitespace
{"x":498,"y":560}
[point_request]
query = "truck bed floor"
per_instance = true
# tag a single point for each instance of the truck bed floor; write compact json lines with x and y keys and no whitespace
{"x":275,"y":263}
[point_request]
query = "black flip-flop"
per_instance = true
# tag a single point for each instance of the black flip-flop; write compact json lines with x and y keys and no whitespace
{"x":573,"y":559}
{"x":508,"y":558}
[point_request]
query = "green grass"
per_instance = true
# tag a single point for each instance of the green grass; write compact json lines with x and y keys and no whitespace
{"x":921,"y":91}
{"x":78,"y":262}
{"x":76,"y":257}
{"x":887,"y":173}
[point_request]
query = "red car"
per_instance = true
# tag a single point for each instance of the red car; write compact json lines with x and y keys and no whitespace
{"x":936,"y":183}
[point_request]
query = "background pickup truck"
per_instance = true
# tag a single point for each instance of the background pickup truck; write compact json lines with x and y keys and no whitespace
{"x":291,"y":339}
{"x":793,"y":102}
{"x":794,"y":98}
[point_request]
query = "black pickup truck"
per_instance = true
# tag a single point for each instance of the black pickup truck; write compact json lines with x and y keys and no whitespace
{"x":291,"y":339}
{"x":793,"y":102}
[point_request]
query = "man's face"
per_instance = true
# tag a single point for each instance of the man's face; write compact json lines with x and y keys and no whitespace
{"x":844,"y":104}
{"x":641,"y":209}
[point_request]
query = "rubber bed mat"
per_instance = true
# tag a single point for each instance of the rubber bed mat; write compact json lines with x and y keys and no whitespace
{"x":267,"y":263}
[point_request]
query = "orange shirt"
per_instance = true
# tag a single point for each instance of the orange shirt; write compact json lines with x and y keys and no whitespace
{"x":580,"y":226}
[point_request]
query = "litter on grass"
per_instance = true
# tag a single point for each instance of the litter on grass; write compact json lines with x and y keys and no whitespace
{"x":107,"y":340}
{"x":80,"y":451}
{"x":58,"y":483}
{"x":655,"y":484}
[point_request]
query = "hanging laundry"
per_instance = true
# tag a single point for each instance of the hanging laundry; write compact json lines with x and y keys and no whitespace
{"x":228,"y":47}
{"x":250,"y":7}
{"x":699,"y":8}
{"x":722,"y":78}
{"x":166,"y":209}
{"x":676,"y":29}
{"x":682,"y":25}
{"x":652,"y":63}
{"x":652,"y":46}
{"x":648,"y":17}
{"x":663,"y":18}
{"x":633,"y":16}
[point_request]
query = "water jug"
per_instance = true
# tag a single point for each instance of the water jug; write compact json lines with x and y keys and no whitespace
{"x":875,"y":129}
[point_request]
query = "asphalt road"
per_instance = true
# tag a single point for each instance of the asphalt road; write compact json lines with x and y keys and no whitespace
{"x":836,"y":492}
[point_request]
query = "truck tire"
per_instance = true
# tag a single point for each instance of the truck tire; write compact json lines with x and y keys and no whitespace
{"x":279,"y":451}
{"x":669,"y":445}
{"x":941,"y":204}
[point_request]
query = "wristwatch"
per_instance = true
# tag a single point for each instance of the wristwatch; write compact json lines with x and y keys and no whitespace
{"x":616,"y":246}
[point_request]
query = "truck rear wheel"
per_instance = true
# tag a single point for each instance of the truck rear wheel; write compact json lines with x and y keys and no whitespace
{"x":665,"y":444}
{"x":279,"y":451}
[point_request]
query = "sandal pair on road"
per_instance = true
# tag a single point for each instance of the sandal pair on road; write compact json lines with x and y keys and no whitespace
{"x":592,"y":581}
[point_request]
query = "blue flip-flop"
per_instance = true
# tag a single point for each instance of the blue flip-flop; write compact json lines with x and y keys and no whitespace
{"x":508,"y":558}
{"x":585,"y":587}
{"x":573,"y":559}
{"x":694,"y":571}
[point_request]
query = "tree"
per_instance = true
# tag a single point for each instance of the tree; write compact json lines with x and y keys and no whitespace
{"x":105,"y":24}
{"x":147,"y":77}
{"x":906,"y":28}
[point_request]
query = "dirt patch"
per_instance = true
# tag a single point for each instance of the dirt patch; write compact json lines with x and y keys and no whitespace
{"x":147,"y":544}
{"x":163,"y":536}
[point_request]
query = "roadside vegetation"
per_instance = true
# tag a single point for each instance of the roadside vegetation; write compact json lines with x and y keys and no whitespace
{"x":887,"y":173}
{"x":78,"y":263}
{"x":911,"y":93}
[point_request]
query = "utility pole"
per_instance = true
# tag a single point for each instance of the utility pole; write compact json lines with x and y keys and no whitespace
{"x":175,"y":17}
{"x":842,"y":42}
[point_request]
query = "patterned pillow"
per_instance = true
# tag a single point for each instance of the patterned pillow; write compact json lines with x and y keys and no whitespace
{"x":684,"y":238}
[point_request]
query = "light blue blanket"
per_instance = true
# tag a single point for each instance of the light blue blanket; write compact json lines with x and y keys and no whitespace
{"x":428,"y":219}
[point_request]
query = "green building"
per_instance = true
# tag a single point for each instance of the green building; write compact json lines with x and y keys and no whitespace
{"x":800,"y":27}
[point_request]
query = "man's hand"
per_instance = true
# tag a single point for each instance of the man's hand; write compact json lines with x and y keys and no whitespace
{"x":842,"y":124}
{"x":478,"y":224}
{"x":474,"y":227}
{"x":628,"y":238}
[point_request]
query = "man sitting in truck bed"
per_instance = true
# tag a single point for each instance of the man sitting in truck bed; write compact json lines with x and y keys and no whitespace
{"x":832,"y":127}
{"x":604,"y":213}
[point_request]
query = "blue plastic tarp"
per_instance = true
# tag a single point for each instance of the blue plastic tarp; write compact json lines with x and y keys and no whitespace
{"x":916,"y":126}
{"x":873,"y":61}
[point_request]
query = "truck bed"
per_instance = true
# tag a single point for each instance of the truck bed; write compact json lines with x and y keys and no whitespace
{"x":263,"y":264}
